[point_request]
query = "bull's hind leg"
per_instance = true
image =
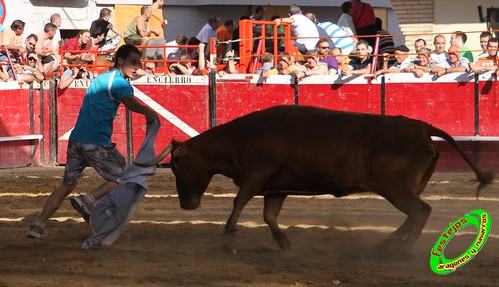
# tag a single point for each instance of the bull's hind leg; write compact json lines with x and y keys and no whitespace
{"x":271,"y":208}
{"x":417,"y":212}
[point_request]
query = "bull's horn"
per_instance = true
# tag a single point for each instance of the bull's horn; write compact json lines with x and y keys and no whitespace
{"x":156,"y":160}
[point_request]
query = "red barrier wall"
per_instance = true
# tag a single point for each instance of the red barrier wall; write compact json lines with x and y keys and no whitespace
{"x":183,"y":104}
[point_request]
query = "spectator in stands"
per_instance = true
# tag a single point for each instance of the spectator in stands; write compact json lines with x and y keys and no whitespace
{"x":454,"y":63}
{"x":285,"y":66}
{"x":342,"y":60}
{"x":439,"y":54}
{"x":346,"y":20}
{"x":156,"y":22}
{"x":258,"y":16}
{"x":362,"y":63}
{"x":419,"y":43}
{"x":484,"y":41}
{"x":489,"y":62}
{"x":90,"y":140}
{"x":77,"y":46}
{"x":422,"y":64}
{"x":45,"y":48}
{"x":13,"y":40}
{"x":402,"y":61}
{"x":459,"y":39}
{"x":325,"y":57}
{"x":180,"y":65}
{"x":339,"y":37}
{"x":57,"y":21}
{"x":312,"y":67}
{"x":386,"y":45}
{"x":224,"y":34}
{"x":280,"y":35}
{"x":267,"y":61}
{"x":323,"y":34}
{"x":93,"y":44}
{"x":208,"y":31}
{"x":173,"y":46}
{"x":364,"y":21}
{"x":72,"y":74}
{"x":102,"y":25}
{"x":235,"y":36}
{"x":137,"y":32}
{"x":31,"y":70}
{"x":303,"y":28}
{"x":30,"y":42}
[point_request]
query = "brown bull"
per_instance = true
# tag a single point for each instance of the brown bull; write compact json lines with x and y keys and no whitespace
{"x":306,"y":150}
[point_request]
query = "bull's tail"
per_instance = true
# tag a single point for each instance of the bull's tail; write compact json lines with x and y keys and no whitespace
{"x":484,"y":178}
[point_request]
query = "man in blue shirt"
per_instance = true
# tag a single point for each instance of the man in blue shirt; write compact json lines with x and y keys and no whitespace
{"x":90,"y":141}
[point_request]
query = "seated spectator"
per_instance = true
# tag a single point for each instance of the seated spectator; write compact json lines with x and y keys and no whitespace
{"x":422,"y":64}
{"x":137,"y":32}
{"x":180,"y":65}
{"x":325,"y":57}
{"x":303,"y":28}
{"x":484,"y":41}
{"x":285,"y":66}
{"x":402,"y":61}
{"x":45,"y":49}
{"x":224,"y":34}
{"x":208,"y":31}
{"x":93,"y":44}
{"x":459,"y":39}
{"x":13,"y":40}
{"x":156,"y":22}
{"x":455,"y":63}
{"x":32,"y":70}
{"x":30,"y":43}
{"x":72,"y":74}
{"x":173,"y":46}
{"x":102,"y":25}
{"x":439,"y":55}
{"x":77,"y":46}
{"x":342,"y":60}
{"x":489,"y":62}
{"x":361,"y":64}
{"x":312,"y":67}
{"x":386,"y":45}
{"x":267,"y":61}
{"x":419,"y":43}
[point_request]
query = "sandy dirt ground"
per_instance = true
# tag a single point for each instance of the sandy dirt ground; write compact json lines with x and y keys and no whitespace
{"x":333,"y":240}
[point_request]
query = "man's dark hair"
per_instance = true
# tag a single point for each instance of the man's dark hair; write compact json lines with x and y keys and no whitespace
{"x":486,"y":34}
{"x":49,"y":27}
{"x":259,"y":9}
{"x":144,"y":9}
{"x":32,"y":36}
{"x":229,"y":22}
{"x":213,"y":20}
{"x":105,"y":12}
{"x":492,"y":40}
{"x":17,"y":24}
{"x":124,"y":52}
{"x":461,"y":35}
{"x":346,"y":6}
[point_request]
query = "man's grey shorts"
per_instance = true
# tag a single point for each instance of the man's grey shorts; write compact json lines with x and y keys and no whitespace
{"x":105,"y":159}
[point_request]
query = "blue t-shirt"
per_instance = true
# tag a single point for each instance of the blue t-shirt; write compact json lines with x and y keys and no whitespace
{"x":99,"y":107}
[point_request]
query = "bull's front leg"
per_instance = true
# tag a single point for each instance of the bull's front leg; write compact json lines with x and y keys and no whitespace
{"x":249,"y":188}
{"x":240,"y":202}
{"x":271,"y":208}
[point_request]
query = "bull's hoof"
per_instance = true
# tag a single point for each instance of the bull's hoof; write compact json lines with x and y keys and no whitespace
{"x":284,"y":243}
